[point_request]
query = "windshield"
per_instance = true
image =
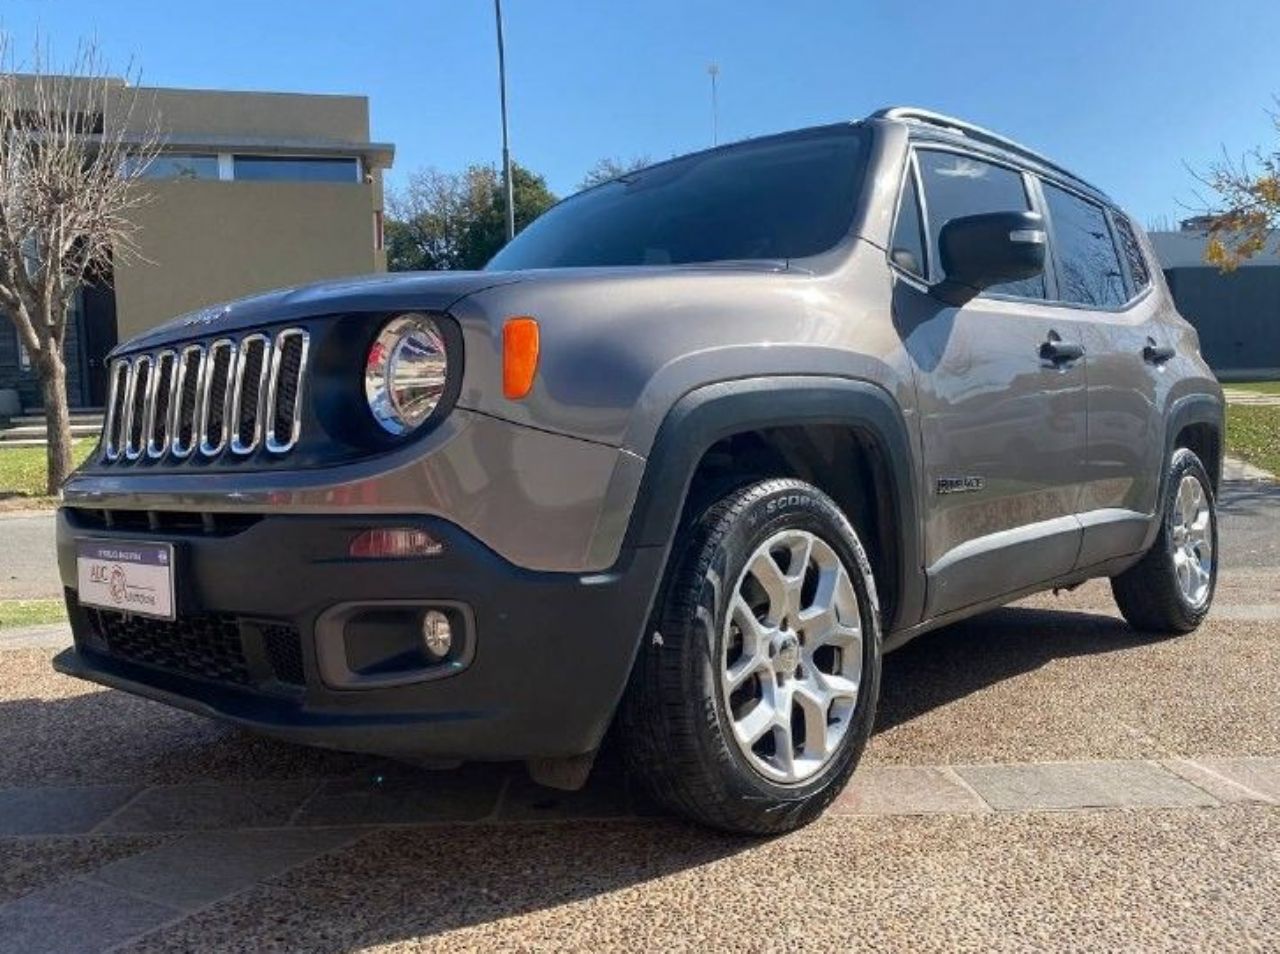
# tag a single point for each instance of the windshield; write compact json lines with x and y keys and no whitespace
{"x":779,"y":198}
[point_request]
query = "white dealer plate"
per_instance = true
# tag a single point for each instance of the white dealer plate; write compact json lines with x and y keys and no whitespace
{"x":130,"y":577}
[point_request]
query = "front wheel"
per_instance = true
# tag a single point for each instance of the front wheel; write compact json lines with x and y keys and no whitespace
{"x":1171,"y":588}
{"x":755,"y":690}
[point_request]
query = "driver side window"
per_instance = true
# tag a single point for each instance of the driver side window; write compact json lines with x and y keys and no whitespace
{"x":956,"y":185}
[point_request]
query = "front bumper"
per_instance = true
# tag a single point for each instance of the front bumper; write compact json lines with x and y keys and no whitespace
{"x":551,"y":652}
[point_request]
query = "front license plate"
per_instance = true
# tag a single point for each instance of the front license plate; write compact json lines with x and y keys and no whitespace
{"x":129,"y":577}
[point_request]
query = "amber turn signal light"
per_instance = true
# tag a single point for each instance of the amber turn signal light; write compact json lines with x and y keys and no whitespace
{"x":519,"y":357}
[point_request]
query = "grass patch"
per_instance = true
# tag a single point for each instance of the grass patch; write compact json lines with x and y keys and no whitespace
{"x":1258,"y":387}
{"x":1253,"y":434}
{"x":31,"y":612}
{"x":22,"y":472}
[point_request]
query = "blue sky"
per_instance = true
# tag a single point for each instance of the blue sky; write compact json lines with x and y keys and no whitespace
{"x":1123,"y":91}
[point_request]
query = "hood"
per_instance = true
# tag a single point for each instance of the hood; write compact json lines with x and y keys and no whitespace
{"x":429,"y":291}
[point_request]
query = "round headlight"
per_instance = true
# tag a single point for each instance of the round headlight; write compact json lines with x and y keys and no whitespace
{"x":405,"y":372}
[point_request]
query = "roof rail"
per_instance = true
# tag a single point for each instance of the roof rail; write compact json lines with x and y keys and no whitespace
{"x":977,"y":133}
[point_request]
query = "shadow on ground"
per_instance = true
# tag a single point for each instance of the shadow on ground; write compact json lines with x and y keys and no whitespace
{"x":950,"y":663}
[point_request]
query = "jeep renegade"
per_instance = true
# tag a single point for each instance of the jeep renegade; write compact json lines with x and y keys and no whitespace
{"x":695,"y":450}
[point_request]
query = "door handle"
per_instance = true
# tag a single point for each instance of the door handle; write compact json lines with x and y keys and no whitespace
{"x":1059,"y":352}
{"x":1157,"y":354}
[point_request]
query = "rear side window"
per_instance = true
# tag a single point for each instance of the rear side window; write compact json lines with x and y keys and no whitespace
{"x":1138,"y":269}
{"x":956,"y":185}
{"x":1088,"y":264}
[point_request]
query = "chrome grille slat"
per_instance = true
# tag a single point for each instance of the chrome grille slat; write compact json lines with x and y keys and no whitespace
{"x":113,"y":427}
{"x":236,"y":395}
{"x":141,"y":391}
{"x":186,"y":408}
{"x":250,"y":391}
{"x":159,"y":407}
{"x":215,"y":404}
{"x":284,"y":394}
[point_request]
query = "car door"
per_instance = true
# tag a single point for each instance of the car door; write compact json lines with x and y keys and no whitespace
{"x":1103,"y":272}
{"x":1001,"y":396}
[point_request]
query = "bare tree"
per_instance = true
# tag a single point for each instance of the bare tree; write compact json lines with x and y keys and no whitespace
{"x":73,"y":142}
{"x":609,"y":168}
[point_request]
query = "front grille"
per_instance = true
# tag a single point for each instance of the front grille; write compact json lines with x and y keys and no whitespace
{"x":232,"y":396}
{"x":207,"y":646}
{"x":218,"y":647}
{"x":284,"y":652}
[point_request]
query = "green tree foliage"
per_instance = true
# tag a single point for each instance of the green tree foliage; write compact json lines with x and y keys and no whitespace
{"x":456,"y":220}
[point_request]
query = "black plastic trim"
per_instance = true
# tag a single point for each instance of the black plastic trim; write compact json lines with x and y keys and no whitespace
{"x":714,"y":412}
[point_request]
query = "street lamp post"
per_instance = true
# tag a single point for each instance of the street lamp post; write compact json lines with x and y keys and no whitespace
{"x":714,"y":71}
{"x":507,"y":185}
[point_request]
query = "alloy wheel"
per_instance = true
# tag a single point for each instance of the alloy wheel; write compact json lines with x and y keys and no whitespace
{"x":791,"y":661}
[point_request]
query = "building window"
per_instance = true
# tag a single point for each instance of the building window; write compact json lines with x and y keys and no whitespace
{"x":296,"y":169}
{"x":174,"y":165}
{"x":379,"y":233}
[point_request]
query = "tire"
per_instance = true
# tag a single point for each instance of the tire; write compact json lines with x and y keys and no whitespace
{"x":1171,"y":588}
{"x":680,"y":720}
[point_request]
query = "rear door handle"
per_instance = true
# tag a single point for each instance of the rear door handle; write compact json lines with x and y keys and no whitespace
{"x":1157,"y":354}
{"x":1059,"y":352}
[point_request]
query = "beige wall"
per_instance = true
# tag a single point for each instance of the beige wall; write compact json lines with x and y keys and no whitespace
{"x":187,"y":112}
{"x":210,"y":241}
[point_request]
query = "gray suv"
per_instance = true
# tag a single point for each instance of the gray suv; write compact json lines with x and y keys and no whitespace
{"x":686,"y":459}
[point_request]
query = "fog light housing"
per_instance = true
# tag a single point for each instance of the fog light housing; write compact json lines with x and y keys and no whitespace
{"x":394,"y":543}
{"x":437,"y":633}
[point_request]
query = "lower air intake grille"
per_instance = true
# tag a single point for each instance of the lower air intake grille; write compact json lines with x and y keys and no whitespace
{"x":212,"y":646}
{"x":206,"y":646}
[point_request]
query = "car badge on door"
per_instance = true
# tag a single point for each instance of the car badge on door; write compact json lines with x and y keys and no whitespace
{"x":959,"y":485}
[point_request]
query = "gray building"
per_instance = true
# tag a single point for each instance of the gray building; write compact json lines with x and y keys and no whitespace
{"x":1237,"y":314}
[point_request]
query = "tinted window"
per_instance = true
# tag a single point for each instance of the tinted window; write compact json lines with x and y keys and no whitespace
{"x":1088,"y":266}
{"x":1138,"y":269}
{"x":291,"y":169}
{"x":780,"y":198}
{"x":174,"y":165}
{"x":908,"y":232}
{"x":956,"y":186}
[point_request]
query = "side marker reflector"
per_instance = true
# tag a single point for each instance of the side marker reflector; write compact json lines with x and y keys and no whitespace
{"x":519,"y":357}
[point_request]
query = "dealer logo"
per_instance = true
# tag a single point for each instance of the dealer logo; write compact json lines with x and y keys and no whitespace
{"x":118,"y":585}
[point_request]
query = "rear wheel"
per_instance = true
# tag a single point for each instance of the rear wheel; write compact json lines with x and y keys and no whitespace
{"x":1171,"y":588}
{"x":755,"y":690}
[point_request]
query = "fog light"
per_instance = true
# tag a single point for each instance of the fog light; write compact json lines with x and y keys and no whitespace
{"x":395,"y":543}
{"x":437,"y":634}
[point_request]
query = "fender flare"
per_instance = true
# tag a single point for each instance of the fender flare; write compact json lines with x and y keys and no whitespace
{"x":1183,"y":412}
{"x":715,"y":411}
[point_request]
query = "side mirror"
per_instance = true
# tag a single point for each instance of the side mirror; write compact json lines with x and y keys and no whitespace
{"x":978,"y":251}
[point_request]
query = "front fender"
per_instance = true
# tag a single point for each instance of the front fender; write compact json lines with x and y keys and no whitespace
{"x":716,"y":411}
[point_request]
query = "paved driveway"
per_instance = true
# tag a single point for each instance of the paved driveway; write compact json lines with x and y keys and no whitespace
{"x":1039,"y":777}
